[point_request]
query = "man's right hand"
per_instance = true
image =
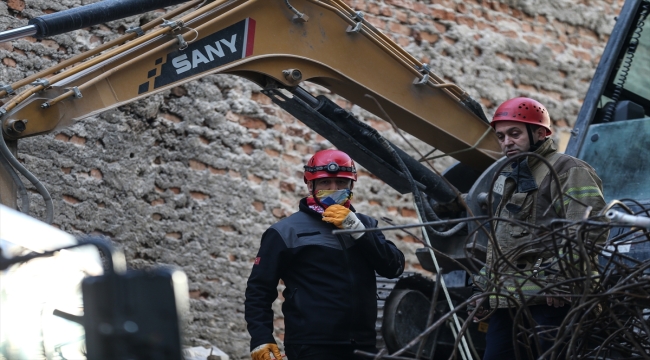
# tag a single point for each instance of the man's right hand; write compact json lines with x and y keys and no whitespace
{"x":264,"y":351}
{"x":477,"y":301}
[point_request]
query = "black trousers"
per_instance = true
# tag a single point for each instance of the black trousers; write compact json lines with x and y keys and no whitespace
{"x":499,"y":337}
{"x":326,"y":352}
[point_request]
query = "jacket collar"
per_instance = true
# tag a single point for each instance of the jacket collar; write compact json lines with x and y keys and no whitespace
{"x":521,"y":172}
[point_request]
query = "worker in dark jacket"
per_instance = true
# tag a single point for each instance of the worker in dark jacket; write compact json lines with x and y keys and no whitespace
{"x":330,"y":299}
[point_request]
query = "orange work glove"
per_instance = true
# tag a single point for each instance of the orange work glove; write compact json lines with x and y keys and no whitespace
{"x":263,"y":352}
{"x":343,"y":218}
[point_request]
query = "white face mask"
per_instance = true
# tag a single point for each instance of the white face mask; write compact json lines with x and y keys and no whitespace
{"x":331,"y":197}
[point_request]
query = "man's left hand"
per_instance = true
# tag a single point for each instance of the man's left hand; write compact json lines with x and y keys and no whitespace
{"x":343,"y":218}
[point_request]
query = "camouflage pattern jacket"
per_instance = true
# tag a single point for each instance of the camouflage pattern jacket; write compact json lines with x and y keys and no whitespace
{"x":524,"y":261}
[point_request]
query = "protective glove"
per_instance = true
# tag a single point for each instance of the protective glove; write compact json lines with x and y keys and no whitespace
{"x":343,"y":218}
{"x":263,"y":352}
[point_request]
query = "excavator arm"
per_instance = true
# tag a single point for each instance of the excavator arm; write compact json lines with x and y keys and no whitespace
{"x":275,"y":44}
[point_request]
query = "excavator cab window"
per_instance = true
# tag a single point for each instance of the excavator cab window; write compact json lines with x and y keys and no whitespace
{"x":620,"y":131}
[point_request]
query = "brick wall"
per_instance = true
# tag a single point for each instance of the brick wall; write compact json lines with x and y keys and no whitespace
{"x":191,"y":177}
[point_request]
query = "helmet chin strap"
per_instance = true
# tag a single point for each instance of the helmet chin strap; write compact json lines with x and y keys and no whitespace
{"x":313,"y":194}
{"x":536,"y":145}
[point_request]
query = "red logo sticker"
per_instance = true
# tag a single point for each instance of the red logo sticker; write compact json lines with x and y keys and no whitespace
{"x":257,"y":260}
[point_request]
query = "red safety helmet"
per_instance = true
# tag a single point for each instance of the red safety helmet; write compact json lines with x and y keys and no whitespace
{"x":523,"y":110}
{"x":330,"y":163}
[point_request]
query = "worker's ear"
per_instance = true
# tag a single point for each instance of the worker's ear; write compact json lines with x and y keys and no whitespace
{"x":541,"y":133}
{"x":351,"y":184}
{"x":310,"y":186}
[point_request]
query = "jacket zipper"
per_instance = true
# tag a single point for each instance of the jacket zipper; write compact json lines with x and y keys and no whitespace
{"x":352,"y":286}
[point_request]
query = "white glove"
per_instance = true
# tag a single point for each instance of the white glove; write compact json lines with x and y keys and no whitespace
{"x":343,"y":218}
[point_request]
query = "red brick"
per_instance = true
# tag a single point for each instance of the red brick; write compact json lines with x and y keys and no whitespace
{"x":505,"y":57}
{"x":197,"y":165}
{"x":557,"y":47}
{"x":449,"y":40}
{"x":443,"y":14}
{"x":376,"y":22}
{"x":272,"y":152}
{"x":401,"y":16}
{"x":533,"y":39}
{"x":71,"y":199}
{"x":526,"y":87}
{"x":509,"y":33}
{"x":199,"y":195}
{"x":261,"y":98}
{"x":373,"y":8}
{"x":442,"y":28}
{"x":587,"y":44}
{"x":252,"y":123}
{"x":408,"y":212}
{"x":18,"y":5}
{"x":78,"y":140}
{"x":401,"y":3}
{"x":174,"y":235}
{"x":9,"y":62}
{"x":171,"y":117}
{"x":528,"y":62}
{"x":582,"y":55}
{"x":96,"y":173}
{"x":50,"y":44}
{"x":258,"y":205}
{"x":248,"y":149}
{"x":157,"y":202}
{"x":218,"y":171}
{"x":466,"y":20}
{"x":482,"y":25}
{"x":552,"y":94}
{"x":430,"y":38}
{"x":399,"y":28}
{"x":278,"y":213}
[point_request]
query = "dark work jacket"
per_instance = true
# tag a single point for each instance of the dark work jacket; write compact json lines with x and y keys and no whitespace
{"x":331,"y":293}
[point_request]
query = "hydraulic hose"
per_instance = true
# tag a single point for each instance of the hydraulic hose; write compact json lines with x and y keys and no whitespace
{"x":24,"y":198}
{"x":49,"y":208}
{"x":93,"y":14}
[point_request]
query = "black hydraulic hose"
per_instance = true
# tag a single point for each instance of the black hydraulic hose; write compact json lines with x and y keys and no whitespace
{"x":93,"y":14}
{"x":49,"y":208}
{"x":435,"y":186}
{"x":24,"y":198}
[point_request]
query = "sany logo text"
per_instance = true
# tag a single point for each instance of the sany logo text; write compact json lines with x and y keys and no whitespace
{"x":182,"y":63}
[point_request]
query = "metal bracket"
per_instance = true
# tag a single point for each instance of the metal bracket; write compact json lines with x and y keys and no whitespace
{"x":358,"y":17}
{"x":76,"y":91}
{"x":137,"y":30}
{"x":174,"y":25}
{"x":2,"y":112}
{"x":7,"y":88}
{"x":424,"y":70}
{"x":42,"y":82}
{"x":298,"y":17}
{"x":182,"y":44}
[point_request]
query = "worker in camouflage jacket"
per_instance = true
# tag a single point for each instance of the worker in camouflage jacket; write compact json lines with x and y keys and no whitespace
{"x":526,"y":259}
